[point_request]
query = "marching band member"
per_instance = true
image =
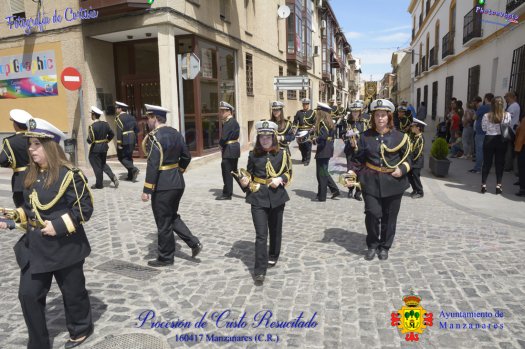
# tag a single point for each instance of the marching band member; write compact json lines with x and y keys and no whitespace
{"x":418,"y":161}
{"x":99,"y":135}
{"x":405,"y":120}
{"x":355,"y":126}
{"x":168,"y":158}
{"x":57,"y":202}
{"x":285,"y":133}
{"x":126,"y":139}
{"x":304,"y":120}
{"x":270,"y":169}
{"x":14,"y":154}
{"x":381,"y":162}
{"x":324,"y":130}
{"x":338,"y":116}
{"x":230,"y":148}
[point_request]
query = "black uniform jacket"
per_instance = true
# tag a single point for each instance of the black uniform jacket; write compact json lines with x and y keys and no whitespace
{"x":229,"y":142}
{"x":325,"y":142}
{"x":373,"y":173}
{"x":98,"y":136}
{"x":168,"y":157}
{"x":418,"y":144}
{"x":266,"y":196}
{"x":287,"y":133}
{"x":127,"y":129}
{"x":358,"y":126}
{"x":304,"y":119}
{"x":70,"y":245}
{"x":14,"y":154}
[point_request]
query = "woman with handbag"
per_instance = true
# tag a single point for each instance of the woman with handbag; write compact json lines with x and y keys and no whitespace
{"x":496,"y":124}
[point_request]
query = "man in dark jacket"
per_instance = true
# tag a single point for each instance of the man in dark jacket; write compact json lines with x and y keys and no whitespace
{"x":126,"y":139}
{"x":230,"y":147}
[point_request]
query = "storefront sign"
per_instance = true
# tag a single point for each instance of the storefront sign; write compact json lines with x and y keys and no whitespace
{"x":30,"y":75}
{"x":69,"y":15}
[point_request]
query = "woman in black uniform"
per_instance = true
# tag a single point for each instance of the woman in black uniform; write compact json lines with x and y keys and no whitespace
{"x":325,"y":131}
{"x":57,"y":201}
{"x":285,"y":132}
{"x":270,"y":171}
{"x":381,"y":163}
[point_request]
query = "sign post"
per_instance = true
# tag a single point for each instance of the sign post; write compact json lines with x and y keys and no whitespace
{"x":188,"y":67}
{"x":285,"y":83}
{"x":72,"y":80}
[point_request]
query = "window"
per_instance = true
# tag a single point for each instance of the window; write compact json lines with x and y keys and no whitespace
{"x":249,"y":16}
{"x":17,"y":8}
{"x":449,"y":86}
{"x":281,"y":73}
{"x":425,"y":95}
{"x":249,"y":74}
{"x":418,"y":100}
{"x":225,"y":6}
{"x":517,"y":76}
{"x":292,"y":94}
{"x":452,"y":17}
{"x":434,"y":99}
{"x":473,"y":82}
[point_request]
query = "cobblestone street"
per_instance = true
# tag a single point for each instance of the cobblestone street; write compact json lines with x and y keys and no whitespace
{"x":460,"y":251}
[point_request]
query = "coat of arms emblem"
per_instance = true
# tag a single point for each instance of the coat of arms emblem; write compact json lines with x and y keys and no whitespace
{"x":412,"y":318}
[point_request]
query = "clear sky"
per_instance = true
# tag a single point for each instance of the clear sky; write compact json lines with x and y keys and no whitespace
{"x":375,"y":29}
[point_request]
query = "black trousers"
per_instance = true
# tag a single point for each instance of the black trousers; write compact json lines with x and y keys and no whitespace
{"x":414,"y":177}
{"x":267,"y":220}
{"x":18,"y":198}
{"x":228,"y":165}
{"x":493,"y":148}
{"x":99,"y":165}
{"x":165,"y":205}
{"x":306,"y":151}
{"x":324,"y":179}
{"x":125,"y":156}
{"x":509,"y":157}
{"x":521,"y":169}
{"x":32,"y":295}
{"x":380,"y":220}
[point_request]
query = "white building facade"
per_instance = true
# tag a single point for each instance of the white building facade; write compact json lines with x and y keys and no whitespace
{"x":460,"y":49}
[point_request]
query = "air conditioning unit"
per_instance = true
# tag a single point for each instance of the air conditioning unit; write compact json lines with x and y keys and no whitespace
{"x":323,"y":24}
{"x":319,"y":3}
{"x":316,"y":51}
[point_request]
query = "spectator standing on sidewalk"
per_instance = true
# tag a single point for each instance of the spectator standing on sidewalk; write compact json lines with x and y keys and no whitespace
{"x":494,"y":145}
{"x":513,"y":108}
{"x":519,"y":147}
{"x":479,"y":134}
{"x":468,"y":130}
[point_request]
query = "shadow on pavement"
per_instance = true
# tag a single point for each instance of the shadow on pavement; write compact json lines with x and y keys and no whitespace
{"x":353,"y":242}
{"x":305,"y":193}
{"x":245,"y":251}
{"x":153,"y":248}
{"x":218,"y":193}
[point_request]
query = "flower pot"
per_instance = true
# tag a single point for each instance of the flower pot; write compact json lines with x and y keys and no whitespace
{"x":439,"y":168}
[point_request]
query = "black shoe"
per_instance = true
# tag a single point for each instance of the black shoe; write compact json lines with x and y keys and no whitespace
{"x":135,"y":174}
{"x":307,"y":163}
{"x":370,"y":254}
{"x":516,"y":183}
{"x":95,"y":187}
{"x":159,"y":263}
{"x":259,"y":278}
{"x":520,"y":193}
{"x":75,"y":343}
{"x":116,"y":182}
{"x":498,"y":189}
{"x":272,"y":262}
{"x":196,"y":250}
{"x":318,"y":200}
{"x":335,"y":194}
{"x":383,"y":255}
{"x":357,"y":196}
{"x":474,"y":171}
{"x":483,"y":189}
{"x":413,"y":193}
{"x":224,"y":197}
{"x":418,"y":196}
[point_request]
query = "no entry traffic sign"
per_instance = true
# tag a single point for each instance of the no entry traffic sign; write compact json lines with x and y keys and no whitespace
{"x":71,"y":78}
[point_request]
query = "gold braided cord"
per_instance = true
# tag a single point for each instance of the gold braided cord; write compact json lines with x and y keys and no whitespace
{"x":286,"y":166}
{"x":12,"y":158}
{"x":144,"y":145}
{"x":119,"y":123}
{"x":418,"y":143}
{"x":392,"y":150}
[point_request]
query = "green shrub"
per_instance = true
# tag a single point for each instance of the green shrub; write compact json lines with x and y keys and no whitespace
{"x":439,"y":149}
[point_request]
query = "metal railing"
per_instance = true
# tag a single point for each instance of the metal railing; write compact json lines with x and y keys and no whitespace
{"x":433,"y":57}
{"x":513,"y":4}
{"x":471,"y":26}
{"x":448,"y":44}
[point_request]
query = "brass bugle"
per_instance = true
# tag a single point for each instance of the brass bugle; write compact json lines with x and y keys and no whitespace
{"x":349,"y":180}
{"x":10,"y":213}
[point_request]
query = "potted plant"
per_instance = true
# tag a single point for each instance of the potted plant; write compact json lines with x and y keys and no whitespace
{"x":439,"y":164}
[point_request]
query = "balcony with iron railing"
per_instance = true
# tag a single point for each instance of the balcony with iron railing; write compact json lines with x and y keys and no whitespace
{"x":423,"y":64}
{"x":433,"y":57}
{"x":427,"y":8}
{"x":448,"y":45}
{"x":472,"y":27}
{"x":417,"y":70}
{"x":111,"y":7}
{"x":420,"y":18}
{"x":513,"y":5}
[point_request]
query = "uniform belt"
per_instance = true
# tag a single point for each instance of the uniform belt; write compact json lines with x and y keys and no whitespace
{"x":232,"y":141}
{"x":126,"y":132}
{"x":168,"y":167}
{"x":328,"y":139}
{"x":100,"y":141}
{"x":379,"y":169}
{"x":20,"y":169}
{"x":262,"y":180}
